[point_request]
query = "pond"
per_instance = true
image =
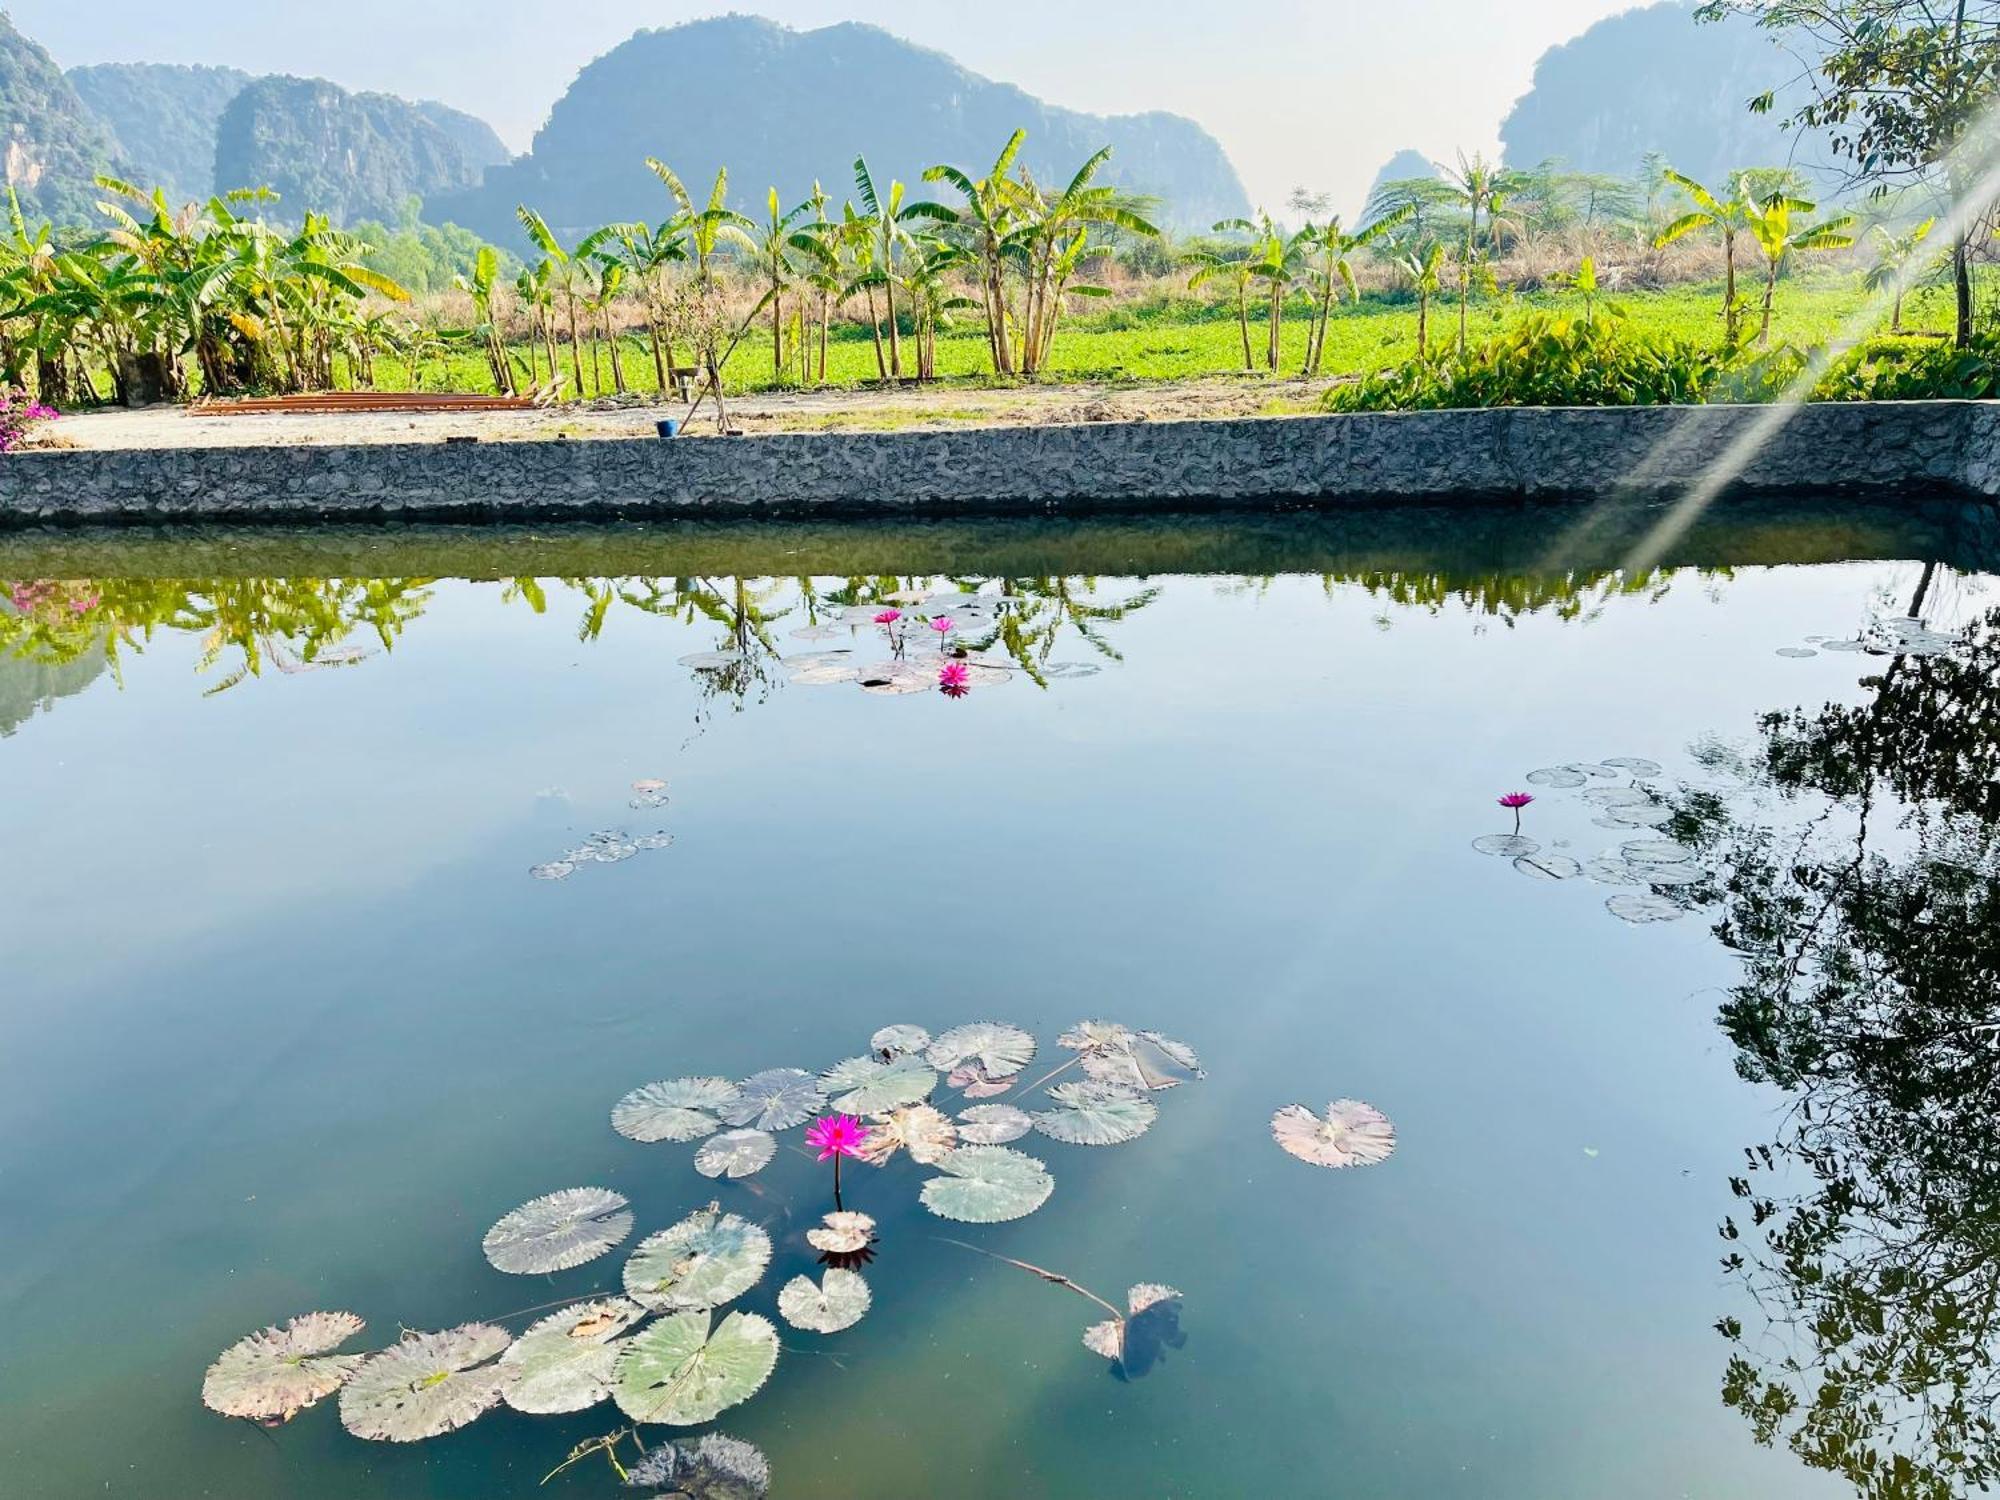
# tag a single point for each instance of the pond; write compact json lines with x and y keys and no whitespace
{"x":356,"y":877}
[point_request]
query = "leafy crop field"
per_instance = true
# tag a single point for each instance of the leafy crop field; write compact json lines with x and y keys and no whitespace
{"x":1181,"y":338}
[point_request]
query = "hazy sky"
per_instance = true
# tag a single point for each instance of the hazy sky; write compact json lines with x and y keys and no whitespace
{"x":1319,"y":92}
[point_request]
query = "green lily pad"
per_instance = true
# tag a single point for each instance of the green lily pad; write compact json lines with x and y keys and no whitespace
{"x":680,"y":1109}
{"x":685,"y":1369}
{"x":1352,"y":1134}
{"x":563,"y":1363}
{"x":775,"y":1099}
{"x":993,"y":1124}
{"x":428,"y":1384}
{"x":894,"y":1041}
{"x":556,"y":1232}
{"x":711,"y":1468}
{"x":988,"y":1185}
{"x":1096,"y":1114}
{"x":869,"y":1086}
{"x":735,"y":1153}
{"x":842,"y":1232}
{"x":275,"y":1374}
{"x":707,"y":1259}
{"x":839,"y":1301}
{"x":1000,"y":1051}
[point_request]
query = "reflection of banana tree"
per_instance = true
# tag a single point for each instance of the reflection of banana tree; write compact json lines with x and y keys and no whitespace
{"x":1510,"y":597}
{"x":1040,"y":610}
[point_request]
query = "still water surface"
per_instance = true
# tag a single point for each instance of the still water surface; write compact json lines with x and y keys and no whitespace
{"x":287,"y":1024}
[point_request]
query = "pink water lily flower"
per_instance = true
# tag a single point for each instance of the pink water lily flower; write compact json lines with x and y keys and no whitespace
{"x":889,"y":617}
{"x":837,"y":1136}
{"x":943,"y":627}
{"x":955,"y":679}
{"x":1515,"y":801}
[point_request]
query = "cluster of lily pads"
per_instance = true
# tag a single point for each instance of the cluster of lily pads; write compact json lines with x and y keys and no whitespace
{"x":666,"y":1352}
{"x":612,"y":846}
{"x":1623,"y":792}
{"x":1885,"y":635}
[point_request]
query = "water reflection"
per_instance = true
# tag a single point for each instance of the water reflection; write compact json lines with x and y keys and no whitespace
{"x":1869,"y":931}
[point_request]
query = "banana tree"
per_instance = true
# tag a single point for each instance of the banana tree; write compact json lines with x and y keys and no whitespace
{"x":1779,"y":239}
{"x":608,"y":280}
{"x":568,"y":274}
{"x":1424,"y":265}
{"x":648,"y":253}
{"x":1476,"y":185}
{"x":1236,"y":269}
{"x":1052,"y":244}
{"x":991,"y":213}
{"x":1326,"y":248}
{"x":888,"y":218}
{"x":707,"y":229}
{"x":1891,"y":262}
{"x":1729,"y":215}
{"x":482,"y":286}
{"x":776,"y":241}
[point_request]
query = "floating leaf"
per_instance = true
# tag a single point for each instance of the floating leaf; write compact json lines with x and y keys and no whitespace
{"x":1618,"y":796}
{"x":707,"y":1259}
{"x":1548,"y":866}
{"x":712,"y":1468}
{"x":988,"y":1185}
{"x":558,"y":1231}
{"x":993,"y":1124}
{"x":1095,"y":1036}
{"x":839,"y":1301}
{"x":1612,"y":872}
{"x":895,"y":1041}
{"x":842,"y":1233}
{"x":1145,"y":1060}
{"x":1558,"y":778}
{"x":555,"y":869}
{"x":681,"y":1109}
{"x":925,"y":1133}
{"x":735,"y":1153}
{"x":428,"y":1384}
{"x":868,"y":1086}
{"x":685,"y":1369}
{"x":1146,"y":1304}
{"x":892,"y":678}
{"x":1658,"y":852}
{"x":1640,"y":815}
{"x":275,"y":1374}
{"x":775,"y":1099}
{"x":1353,"y":1134}
{"x":1000,"y":1051}
{"x":563,"y":1363}
{"x":1097,"y":1114}
{"x":1669,"y":875}
{"x":1507,"y":845}
{"x":712,"y":661}
{"x":1636,"y":765}
{"x":1641,"y":910}
{"x":972,"y":1080}
{"x":825,"y":676}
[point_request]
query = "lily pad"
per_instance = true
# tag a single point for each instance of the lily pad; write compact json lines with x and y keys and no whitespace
{"x":895,"y":1041}
{"x":707,"y":1259}
{"x":1145,"y":1060}
{"x":826,"y":676}
{"x":1097,"y":1114}
{"x":1352,"y":1134}
{"x":1148,"y":1300}
{"x":1507,"y":845}
{"x":712,"y":661}
{"x":712,"y":1468}
{"x":1548,"y":866}
{"x":868,"y":1086}
{"x":988,"y":1185}
{"x":275,"y":1374}
{"x":775,"y":1099}
{"x":1670,"y":875}
{"x":993,"y":1124}
{"x":842,"y":1233}
{"x":894,"y":679}
{"x":924,"y":1132}
{"x":1001,"y":1051}
{"x":1642,"y":910}
{"x":839,"y":1301}
{"x":1635,"y":765}
{"x":555,"y":869}
{"x":681,"y":1109}
{"x":1558,"y":778}
{"x":1797,"y":653}
{"x":1618,"y":796}
{"x":1640,"y":815}
{"x":735,"y":1153}
{"x":1658,"y":852}
{"x":1610,"y":871}
{"x":686,"y":1369}
{"x":563,"y":1363}
{"x":428,"y":1384}
{"x":556,"y":1232}
{"x":1095,"y":1036}
{"x":972,"y":1080}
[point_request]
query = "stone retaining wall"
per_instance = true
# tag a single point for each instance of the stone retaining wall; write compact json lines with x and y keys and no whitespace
{"x":1649,"y":453}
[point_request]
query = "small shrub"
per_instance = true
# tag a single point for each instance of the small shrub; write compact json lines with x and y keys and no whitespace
{"x":1914,"y":369}
{"x":20,"y":414}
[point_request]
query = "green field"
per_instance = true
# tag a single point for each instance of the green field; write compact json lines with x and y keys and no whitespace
{"x":1180,"y":339}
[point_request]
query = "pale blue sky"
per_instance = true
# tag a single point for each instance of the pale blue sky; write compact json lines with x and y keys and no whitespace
{"x":1319,"y":92}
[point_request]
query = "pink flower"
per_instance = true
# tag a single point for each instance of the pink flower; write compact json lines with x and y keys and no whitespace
{"x":943,"y":627}
{"x":1515,"y":801}
{"x":955,"y":678}
{"x":889,"y":617}
{"x":837,"y":1136}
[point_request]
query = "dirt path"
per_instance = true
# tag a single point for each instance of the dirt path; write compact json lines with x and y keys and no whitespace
{"x":932,"y":408}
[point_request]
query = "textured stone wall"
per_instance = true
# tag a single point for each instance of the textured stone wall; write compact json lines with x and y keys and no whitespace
{"x":1646,"y":453}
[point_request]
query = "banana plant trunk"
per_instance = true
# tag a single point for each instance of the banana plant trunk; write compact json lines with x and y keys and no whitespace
{"x":575,"y":346}
{"x":1243,"y":323}
{"x":875,"y":329}
{"x":1276,"y":330}
{"x":1729,"y":287}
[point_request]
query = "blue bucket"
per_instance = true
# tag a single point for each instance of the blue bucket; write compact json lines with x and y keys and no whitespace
{"x":670,"y":427}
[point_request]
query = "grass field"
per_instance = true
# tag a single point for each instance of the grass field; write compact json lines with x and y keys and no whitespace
{"x":1179,"y":339}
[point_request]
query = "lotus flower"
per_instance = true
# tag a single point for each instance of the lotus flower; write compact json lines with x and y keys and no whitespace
{"x":1516,"y":801}
{"x":955,"y":679}
{"x":837,"y":1136}
{"x":943,"y":627}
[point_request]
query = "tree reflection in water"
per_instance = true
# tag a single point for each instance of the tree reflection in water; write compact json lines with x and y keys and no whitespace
{"x":1869,"y":1232}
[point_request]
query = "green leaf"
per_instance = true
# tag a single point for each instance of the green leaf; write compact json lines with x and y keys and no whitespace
{"x":684,"y":1370}
{"x":988,"y":1185}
